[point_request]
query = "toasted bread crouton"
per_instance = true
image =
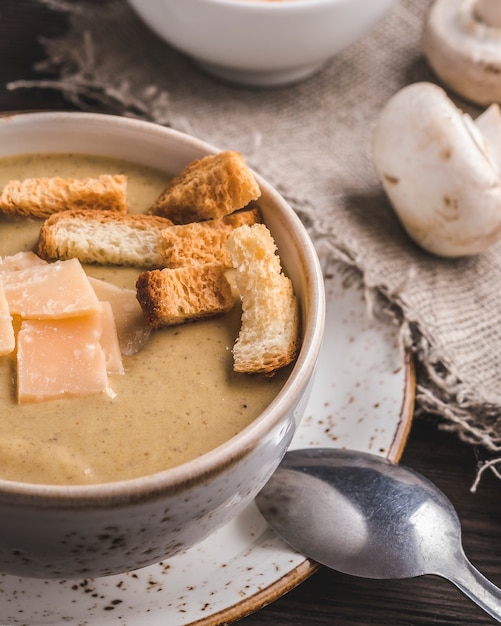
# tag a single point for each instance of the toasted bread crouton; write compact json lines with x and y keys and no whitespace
{"x":175,"y":296}
{"x":269,"y":333}
{"x":202,"y":242}
{"x":102,"y":237}
{"x":208,"y":188}
{"x":41,"y":197}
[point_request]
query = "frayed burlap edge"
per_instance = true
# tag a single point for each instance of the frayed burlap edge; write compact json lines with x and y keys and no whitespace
{"x":438,"y":392}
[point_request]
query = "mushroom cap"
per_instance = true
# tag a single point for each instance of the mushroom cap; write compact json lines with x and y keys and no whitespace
{"x":443,"y":182}
{"x":463,"y":50}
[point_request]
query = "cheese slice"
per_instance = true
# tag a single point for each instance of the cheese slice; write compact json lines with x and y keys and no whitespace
{"x":19,"y":261}
{"x":52,"y":290}
{"x":67,"y":339}
{"x":57,"y":358}
{"x":109,"y":340}
{"x":7,"y":338}
{"x":133,"y":331}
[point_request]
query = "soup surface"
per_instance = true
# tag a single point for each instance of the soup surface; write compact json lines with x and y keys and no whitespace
{"x":178,"y":399}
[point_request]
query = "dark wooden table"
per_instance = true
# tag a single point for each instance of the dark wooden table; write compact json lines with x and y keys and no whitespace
{"x":327,"y":597}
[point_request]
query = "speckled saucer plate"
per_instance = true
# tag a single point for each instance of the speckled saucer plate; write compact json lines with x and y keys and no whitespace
{"x":362,"y":399}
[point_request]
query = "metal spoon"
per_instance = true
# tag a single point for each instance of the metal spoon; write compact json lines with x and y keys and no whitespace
{"x":363,"y":515}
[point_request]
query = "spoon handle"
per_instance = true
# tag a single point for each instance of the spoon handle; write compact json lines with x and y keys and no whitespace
{"x":477,"y":587}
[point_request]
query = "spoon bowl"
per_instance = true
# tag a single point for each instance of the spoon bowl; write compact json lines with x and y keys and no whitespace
{"x":363,"y":515}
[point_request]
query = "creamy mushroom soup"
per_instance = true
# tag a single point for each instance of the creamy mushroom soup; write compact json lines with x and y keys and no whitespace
{"x":178,"y":398}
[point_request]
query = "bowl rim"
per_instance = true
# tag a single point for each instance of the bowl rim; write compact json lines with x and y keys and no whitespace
{"x":229,"y":452}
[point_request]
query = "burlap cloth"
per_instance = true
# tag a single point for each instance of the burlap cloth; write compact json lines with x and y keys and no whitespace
{"x":312,"y":142}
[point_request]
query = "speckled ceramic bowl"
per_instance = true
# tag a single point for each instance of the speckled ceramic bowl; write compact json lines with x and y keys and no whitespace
{"x":96,"y":530}
{"x":261,"y":42}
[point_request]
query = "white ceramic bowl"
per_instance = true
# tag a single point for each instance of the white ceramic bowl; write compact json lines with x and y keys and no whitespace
{"x":78,"y":531}
{"x":261,"y":42}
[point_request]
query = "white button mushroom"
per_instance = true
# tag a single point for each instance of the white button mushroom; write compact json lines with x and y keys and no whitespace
{"x":462,"y":43}
{"x":440,"y":170}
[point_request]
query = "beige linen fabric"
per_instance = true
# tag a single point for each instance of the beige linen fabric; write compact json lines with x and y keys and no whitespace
{"x":312,"y":142}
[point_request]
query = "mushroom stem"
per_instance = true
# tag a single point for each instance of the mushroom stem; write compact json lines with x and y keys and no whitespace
{"x":489,"y":12}
{"x":489,"y":125}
